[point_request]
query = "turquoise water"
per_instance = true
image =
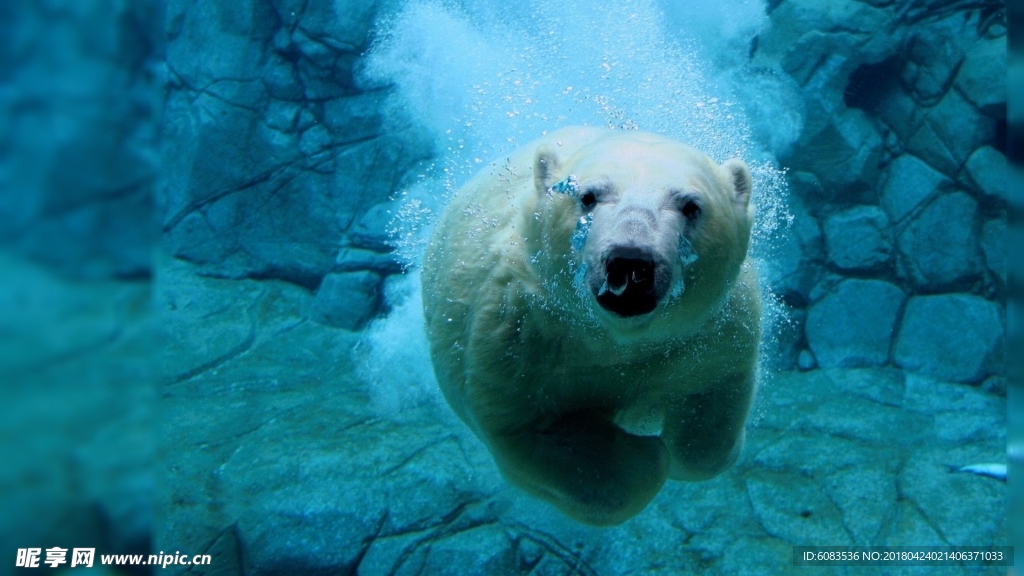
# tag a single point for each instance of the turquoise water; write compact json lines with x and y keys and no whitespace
{"x":215,"y":217}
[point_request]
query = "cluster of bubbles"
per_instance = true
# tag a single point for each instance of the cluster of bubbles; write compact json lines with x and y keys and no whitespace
{"x":393,"y":355}
{"x":484,"y":77}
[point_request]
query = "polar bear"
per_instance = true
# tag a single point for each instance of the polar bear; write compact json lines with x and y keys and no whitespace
{"x":593,"y":317}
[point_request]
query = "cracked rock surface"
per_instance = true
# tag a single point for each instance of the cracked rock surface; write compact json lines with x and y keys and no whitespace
{"x":278,"y":463}
{"x":273,"y":150}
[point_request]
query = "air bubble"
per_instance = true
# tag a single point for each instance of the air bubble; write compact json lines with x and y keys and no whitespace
{"x":579,"y":235}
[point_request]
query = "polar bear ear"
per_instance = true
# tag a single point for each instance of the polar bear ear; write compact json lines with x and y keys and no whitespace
{"x":545,"y":168}
{"x":742,"y":182}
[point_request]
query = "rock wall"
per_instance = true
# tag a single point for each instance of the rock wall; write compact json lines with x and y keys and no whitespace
{"x":277,"y":159}
{"x":279,"y":166}
{"x":898,"y":185}
{"x":277,"y":163}
{"x":80,"y":116}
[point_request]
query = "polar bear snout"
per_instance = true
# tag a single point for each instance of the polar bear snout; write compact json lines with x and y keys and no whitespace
{"x":632,"y":282}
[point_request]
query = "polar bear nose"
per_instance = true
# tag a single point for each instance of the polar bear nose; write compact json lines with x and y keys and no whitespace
{"x":625,"y":271}
{"x":630,"y":286}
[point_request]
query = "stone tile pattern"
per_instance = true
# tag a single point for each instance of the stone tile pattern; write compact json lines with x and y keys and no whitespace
{"x":898,"y":187}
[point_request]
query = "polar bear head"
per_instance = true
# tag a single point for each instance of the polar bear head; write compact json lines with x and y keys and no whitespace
{"x":647,"y":226}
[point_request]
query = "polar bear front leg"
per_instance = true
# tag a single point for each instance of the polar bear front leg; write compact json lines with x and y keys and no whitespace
{"x":704,"y":431}
{"x":585,"y":465}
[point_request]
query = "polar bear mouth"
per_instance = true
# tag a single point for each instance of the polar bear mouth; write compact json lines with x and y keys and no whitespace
{"x":632,"y":285}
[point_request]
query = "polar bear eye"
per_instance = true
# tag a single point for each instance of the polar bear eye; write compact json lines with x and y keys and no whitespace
{"x":588,"y":199}
{"x":690,"y":209}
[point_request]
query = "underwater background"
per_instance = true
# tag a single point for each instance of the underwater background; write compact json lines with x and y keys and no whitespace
{"x":212,"y":213}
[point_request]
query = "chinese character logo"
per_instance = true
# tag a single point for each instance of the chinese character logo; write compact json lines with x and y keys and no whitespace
{"x":55,"y":556}
{"x":82,"y":557}
{"x":28,"y":557}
